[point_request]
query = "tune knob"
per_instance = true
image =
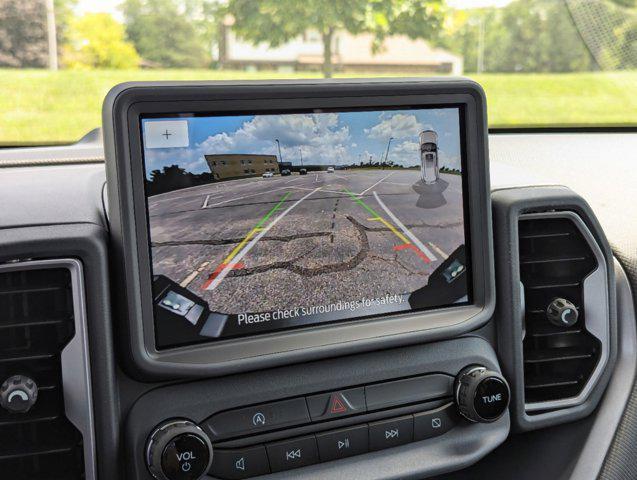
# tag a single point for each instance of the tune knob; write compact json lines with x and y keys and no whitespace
{"x":481,"y":395}
{"x":178,"y":450}
{"x":18,"y":394}
{"x":562,"y":313}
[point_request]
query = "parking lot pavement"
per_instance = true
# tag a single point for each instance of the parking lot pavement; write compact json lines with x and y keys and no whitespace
{"x":257,"y":244}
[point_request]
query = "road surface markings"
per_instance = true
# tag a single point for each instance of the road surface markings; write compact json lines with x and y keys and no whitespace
{"x":323,"y":189}
{"x":438,"y":250}
{"x":407,"y":242}
{"x":210,"y":197}
{"x":399,"y":183}
{"x":430,"y":256}
{"x":369,"y":188}
{"x":186,"y":281}
{"x":243,"y":248}
{"x":316,"y":178}
{"x":245,"y":196}
{"x":377,"y":218}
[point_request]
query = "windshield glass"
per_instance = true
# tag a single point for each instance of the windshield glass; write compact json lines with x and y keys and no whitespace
{"x":543,"y":63}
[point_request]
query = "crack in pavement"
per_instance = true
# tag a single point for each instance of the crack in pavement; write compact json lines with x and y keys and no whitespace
{"x":311,"y":272}
{"x":232,"y":241}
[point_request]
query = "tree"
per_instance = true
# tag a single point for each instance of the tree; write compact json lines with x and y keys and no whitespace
{"x":524,"y":36}
{"x":169,"y":34}
{"x":23,"y":39}
{"x":97,"y":40}
{"x":279,"y":21}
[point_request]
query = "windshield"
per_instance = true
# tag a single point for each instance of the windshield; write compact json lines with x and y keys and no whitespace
{"x":542,"y":63}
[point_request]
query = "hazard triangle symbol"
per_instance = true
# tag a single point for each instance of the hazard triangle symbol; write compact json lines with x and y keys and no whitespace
{"x":337,"y":405}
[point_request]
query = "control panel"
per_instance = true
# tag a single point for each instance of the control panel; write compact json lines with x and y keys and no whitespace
{"x":321,"y":427}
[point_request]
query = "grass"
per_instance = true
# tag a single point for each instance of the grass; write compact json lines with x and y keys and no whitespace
{"x":38,"y":106}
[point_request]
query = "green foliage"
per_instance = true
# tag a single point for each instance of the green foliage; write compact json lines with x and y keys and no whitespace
{"x":546,"y":36}
{"x":23,"y":37}
{"x":169,"y":33}
{"x":96,"y":40}
{"x":524,"y":36}
{"x":43,"y":106}
{"x":278,"y":21}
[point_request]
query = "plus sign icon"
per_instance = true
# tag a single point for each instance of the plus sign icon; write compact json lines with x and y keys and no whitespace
{"x":165,"y":133}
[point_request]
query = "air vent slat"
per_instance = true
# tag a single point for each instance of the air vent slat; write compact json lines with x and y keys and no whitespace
{"x":37,"y":321}
{"x":554,"y":261}
{"x":37,"y":451}
{"x":541,"y":286}
{"x":33,"y":323}
{"x":556,"y":355}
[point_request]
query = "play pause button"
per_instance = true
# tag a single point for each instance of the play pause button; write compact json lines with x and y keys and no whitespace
{"x":342,"y":443}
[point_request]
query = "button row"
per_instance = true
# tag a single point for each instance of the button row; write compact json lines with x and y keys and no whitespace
{"x":331,"y":445}
{"x":327,"y":406}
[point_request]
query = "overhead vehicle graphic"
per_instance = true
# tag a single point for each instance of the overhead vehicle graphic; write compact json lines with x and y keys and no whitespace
{"x":429,"y":168}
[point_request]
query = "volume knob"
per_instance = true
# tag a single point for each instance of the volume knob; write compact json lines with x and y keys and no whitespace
{"x":481,"y":395}
{"x":178,"y":450}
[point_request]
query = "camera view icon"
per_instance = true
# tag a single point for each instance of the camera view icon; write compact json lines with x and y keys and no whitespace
{"x":240,"y":464}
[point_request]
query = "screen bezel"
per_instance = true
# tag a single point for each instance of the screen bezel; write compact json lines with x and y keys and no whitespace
{"x":459,"y":109}
{"x":123,"y":110}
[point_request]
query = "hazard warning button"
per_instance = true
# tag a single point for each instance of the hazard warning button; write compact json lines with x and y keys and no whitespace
{"x":337,"y":404}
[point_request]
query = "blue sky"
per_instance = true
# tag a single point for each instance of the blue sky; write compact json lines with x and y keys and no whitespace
{"x":323,"y":138}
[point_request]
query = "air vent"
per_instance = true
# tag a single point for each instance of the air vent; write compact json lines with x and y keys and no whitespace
{"x":558,"y":259}
{"x":36,"y":323}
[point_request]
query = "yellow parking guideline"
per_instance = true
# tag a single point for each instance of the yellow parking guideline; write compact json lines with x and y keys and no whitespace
{"x":256,"y":229}
{"x":403,"y":239}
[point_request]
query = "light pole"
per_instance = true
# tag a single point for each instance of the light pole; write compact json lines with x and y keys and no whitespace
{"x":51,"y":35}
{"x":387,"y":151}
{"x":279,"y":147}
{"x":301,"y":154}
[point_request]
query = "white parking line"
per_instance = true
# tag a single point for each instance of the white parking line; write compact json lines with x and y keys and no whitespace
{"x":323,"y":189}
{"x":369,"y":188}
{"x":186,"y":281}
{"x":438,"y":250}
{"x":245,"y":196}
{"x":405,"y":230}
{"x":208,"y":198}
{"x":237,"y":259}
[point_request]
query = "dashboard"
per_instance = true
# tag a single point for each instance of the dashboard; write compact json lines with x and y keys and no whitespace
{"x":242,"y":292}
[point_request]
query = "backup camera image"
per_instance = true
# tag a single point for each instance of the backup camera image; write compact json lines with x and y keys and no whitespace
{"x":265,"y":222}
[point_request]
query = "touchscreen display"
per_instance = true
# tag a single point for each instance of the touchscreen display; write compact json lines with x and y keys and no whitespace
{"x":274,"y":220}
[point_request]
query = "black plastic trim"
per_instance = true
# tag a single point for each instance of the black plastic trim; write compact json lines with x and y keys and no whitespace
{"x":122,"y":109}
{"x":508,"y":205}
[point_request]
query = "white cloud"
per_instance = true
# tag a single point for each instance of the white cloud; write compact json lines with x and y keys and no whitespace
{"x":323,"y":141}
{"x":399,"y":125}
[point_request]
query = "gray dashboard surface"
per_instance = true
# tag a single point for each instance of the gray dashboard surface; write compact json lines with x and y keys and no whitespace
{"x":601,"y":167}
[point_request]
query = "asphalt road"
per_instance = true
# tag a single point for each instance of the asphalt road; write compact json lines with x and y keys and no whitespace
{"x":256,"y":245}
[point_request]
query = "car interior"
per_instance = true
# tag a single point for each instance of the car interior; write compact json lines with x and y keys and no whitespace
{"x":356,"y":278}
